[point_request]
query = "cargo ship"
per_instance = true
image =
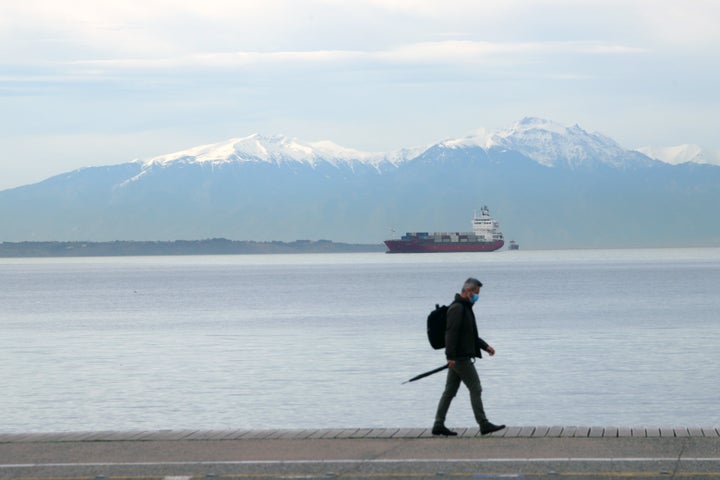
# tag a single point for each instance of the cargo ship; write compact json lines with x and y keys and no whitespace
{"x":485,"y":237}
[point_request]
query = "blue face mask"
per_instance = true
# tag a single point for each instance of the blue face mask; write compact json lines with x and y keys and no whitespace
{"x":475,"y":297}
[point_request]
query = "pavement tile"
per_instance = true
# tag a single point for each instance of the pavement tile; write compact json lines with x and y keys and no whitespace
{"x":258,"y":434}
{"x":653,"y":432}
{"x":76,"y":436}
{"x":48,"y":436}
{"x":216,"y":434}
{"x":234,"y":434}
{"x":638,"y":432}
{"x":555,"y":431}
{"x":667,"y":432}
{"x":513,"y":431}
{"x":95,"y":436}
{"x":596,"y":432}
{"x":316,"y":434}
{"x":610,"y":432}
{"x":695,"y":432}
{"x":383,"y":432}
{"x":471,"y":432}
{"x":125,"y":435}
{"x":333,"y":433}
{"x":187,"y":434}
{"x":196,"y":435}
{"x":582,"y":432}
{"x":294,"y":434}
{"x":59,"y":436}
{"x":681,"y":432}
{"x":133,"y":435}
{"x":361,"y":433}
{"x":526,"y":432}
{"x":710,"y":432}
{"x":409,"y":433}
{"x":298,"y":434}
{"x":541,"y":431}
{"x":568,"y":431}
{"x":459,"y":430}
{"x":39,"y":437}
{"x":624,"y":432}
{"x":499,"y":433}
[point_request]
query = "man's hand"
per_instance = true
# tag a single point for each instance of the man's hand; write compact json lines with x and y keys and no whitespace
{"x":451,"y":363}
{"x":490,"y":350}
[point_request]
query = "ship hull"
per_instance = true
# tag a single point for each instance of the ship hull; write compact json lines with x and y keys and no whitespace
{"x":425,"y":246}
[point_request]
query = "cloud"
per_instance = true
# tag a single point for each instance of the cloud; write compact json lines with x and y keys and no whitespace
{"x":425,"y":53}
{"x":382,"y":67}
{"x":109,"y":29}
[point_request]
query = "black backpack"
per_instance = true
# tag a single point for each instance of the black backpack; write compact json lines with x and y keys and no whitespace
{"x":436,"y":325}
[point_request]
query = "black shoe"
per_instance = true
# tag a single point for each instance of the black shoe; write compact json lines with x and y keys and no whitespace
{"x":487,"y":427}
{"x":443,"y":430}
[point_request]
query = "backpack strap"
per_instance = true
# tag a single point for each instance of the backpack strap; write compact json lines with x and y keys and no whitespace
{"x":458,"y":339}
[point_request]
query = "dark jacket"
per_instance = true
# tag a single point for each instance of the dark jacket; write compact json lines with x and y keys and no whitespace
{"x":461,"y":336}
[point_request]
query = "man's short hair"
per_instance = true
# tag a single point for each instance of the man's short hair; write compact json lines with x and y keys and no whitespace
{"x":471,"y":283}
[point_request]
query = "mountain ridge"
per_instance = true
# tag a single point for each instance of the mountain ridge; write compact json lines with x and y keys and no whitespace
{"x":550,"y":186}
{"x":686,"y":153}
{"x":544,"y":137}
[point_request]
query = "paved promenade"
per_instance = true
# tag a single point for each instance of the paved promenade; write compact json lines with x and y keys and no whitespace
{"x":516,"y":452}
{"x":349,"y":433}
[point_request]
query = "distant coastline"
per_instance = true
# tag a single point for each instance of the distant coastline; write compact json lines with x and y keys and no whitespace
{"x":215,"y":246}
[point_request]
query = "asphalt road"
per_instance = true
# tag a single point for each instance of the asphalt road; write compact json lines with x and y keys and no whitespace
{"x":377,"y":458}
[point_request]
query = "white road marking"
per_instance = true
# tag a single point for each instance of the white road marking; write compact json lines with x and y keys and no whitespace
{"x":373,"y":461}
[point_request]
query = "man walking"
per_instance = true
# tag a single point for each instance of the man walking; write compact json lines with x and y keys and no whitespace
{"x":462,"y":345}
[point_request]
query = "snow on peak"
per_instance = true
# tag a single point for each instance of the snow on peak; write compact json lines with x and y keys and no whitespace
{"x":277,"y":149}
{"x":544,"y":141}
{"x":479,"y":138}
{"x":679,"y":154}
{"x":548,"y":143}
{"x":552,"y":144}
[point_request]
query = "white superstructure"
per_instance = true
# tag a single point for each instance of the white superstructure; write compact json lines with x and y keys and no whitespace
{"x":485,"y":227}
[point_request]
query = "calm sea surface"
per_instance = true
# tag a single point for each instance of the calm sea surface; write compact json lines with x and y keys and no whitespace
{"x":587,"y":337}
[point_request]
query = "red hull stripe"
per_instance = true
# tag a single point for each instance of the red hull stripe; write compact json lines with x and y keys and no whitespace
{"x":414,"y":246}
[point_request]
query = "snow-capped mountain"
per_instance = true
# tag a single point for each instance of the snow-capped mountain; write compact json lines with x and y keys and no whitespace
{"x":680,"y":154}
{"x":549,"y":185}
{"x":543,"y":141}
{"x":278,"y":149}
{"x":554,"y":145}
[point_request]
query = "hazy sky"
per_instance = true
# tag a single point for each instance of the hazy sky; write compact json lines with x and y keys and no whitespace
{"x":94,"y":82}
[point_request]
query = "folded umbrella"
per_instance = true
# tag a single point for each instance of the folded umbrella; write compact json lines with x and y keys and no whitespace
{"x":423,"y":375}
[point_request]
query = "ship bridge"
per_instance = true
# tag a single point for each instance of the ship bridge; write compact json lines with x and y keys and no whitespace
{"x":485,"y":227}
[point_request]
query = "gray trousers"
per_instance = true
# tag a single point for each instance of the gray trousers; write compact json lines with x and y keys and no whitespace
{"x":464,"y":371}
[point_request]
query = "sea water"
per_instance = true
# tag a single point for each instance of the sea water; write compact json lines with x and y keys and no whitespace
{"x":584,"y":337}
